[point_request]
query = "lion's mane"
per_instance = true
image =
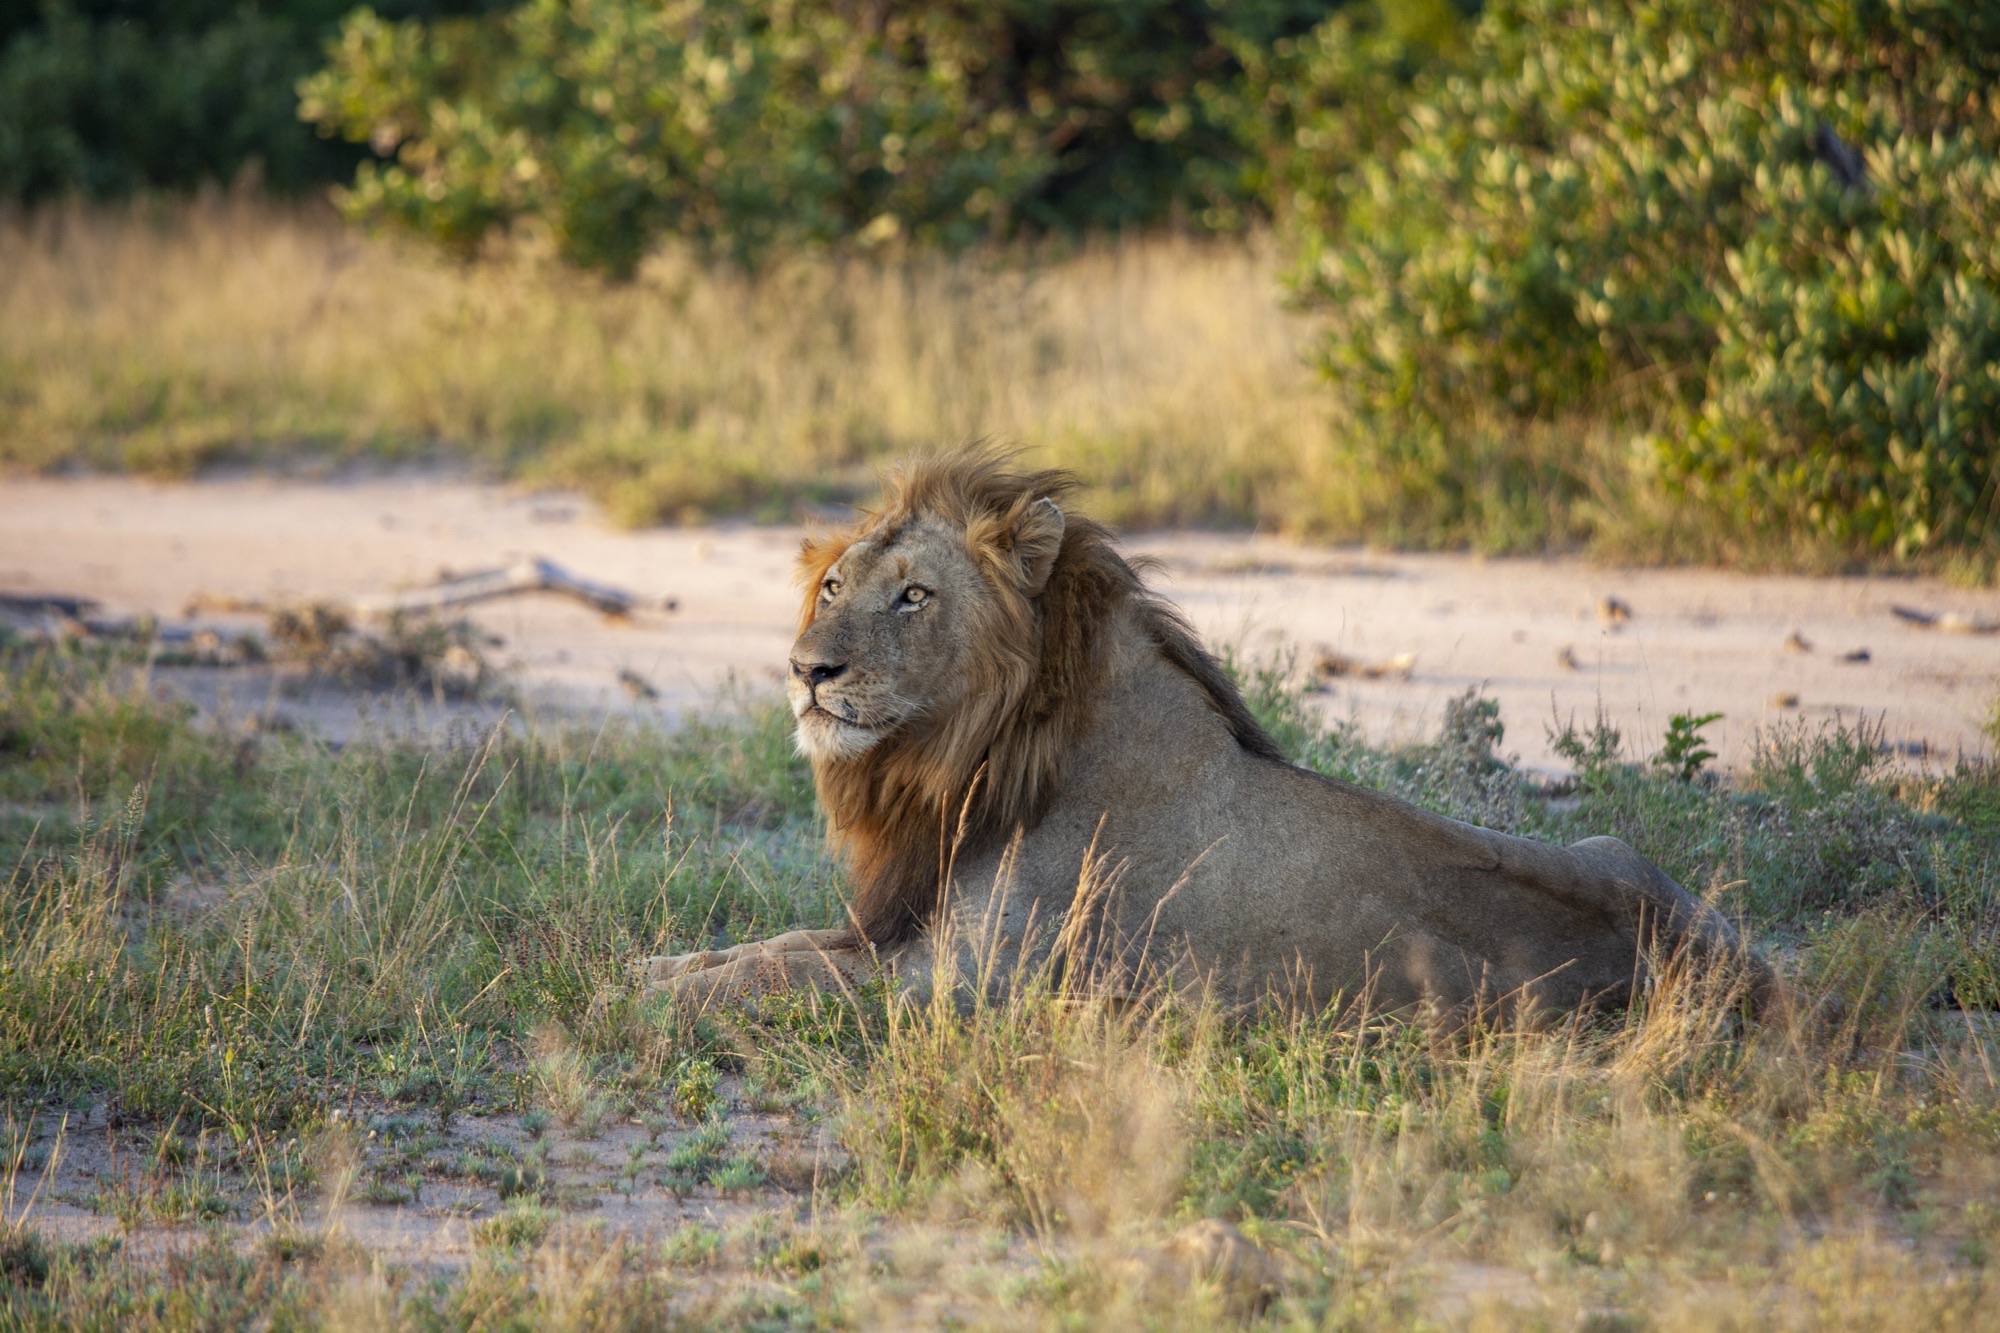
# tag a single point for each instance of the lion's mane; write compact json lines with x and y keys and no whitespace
{"x":904,"y":809}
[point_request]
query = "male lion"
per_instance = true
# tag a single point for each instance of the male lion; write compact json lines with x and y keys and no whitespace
{"x":1027,"y":758}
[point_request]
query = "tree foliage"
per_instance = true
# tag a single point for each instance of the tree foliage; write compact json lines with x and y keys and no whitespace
{"x":745,"y":126}
{"x":1737,"y":263}
{"x":1767,"y":236}
{"x":106,"y":97}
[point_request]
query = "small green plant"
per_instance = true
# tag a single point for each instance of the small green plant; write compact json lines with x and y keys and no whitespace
{"x":1685,"y":750}
{"x":293,"y":1244}
{"x":695,"y":1156}
{"x":797,"y":1255}
{"x":738,"y":1175}
{"x":635,"y":1156}
{"x":655,"y":1124}
{"x":692,"y":1245}
{"x":390,"y":1193}
{"x":444,"y":1072}
{"x":516,"y":1180}
{"x":523,"y":1222}
{"x":1594,"y":752}
{"x":24,"y":1257}
{"x":695,"y":1084}
{"x":566,"y":1080}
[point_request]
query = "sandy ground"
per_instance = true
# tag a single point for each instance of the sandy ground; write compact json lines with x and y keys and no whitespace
{"x":94,"y":1179}
{"x":1531,"y":633}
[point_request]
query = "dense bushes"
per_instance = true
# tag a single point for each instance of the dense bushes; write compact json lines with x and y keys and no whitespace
{"x":743,"y":125}
{"x":1758,"y":240}
{"x":105,"y":97}
{"x":1690,"y":280}
{"x":746,"y":126}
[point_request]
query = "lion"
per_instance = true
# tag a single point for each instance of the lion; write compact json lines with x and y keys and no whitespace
{"x":1027,"y":759}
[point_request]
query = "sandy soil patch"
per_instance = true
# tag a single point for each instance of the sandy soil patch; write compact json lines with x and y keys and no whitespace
{"x":95,"y":1179}
{"x":1538,"y":635}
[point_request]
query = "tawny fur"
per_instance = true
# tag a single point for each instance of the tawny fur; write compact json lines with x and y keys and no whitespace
{"x":1026,"y":757}
{"x":903,"y":810}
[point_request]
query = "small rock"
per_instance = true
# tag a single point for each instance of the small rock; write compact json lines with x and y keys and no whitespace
{"x":1856,"y":657}
{"x":1614,"y":611}
{"x":1796,"y":642}
{"x":1784,"y":699}
{"x":1330,"y":664}
{"x":636,"y":685}
{"x":1566,"y":659}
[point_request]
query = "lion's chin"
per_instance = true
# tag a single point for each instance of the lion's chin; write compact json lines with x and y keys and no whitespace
{"x":824,"y":737}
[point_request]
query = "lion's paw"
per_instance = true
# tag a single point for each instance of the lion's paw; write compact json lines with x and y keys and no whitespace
{"x":662,"y":970}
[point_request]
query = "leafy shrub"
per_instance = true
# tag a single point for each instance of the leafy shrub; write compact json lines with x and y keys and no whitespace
{"x":1686,"y":749}
{"x":748,"y":126}
{"x":524,"y":1222}
{"x":1757,"y":240}
{"x":105,"y":97}
{"x":1312,"y":106}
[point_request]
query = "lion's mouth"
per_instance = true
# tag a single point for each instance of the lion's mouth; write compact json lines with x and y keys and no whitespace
{"x":831,"y":734}
{"x":846,"y":718}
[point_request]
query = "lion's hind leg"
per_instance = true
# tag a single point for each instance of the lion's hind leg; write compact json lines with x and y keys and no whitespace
{"x":1679,"y":929}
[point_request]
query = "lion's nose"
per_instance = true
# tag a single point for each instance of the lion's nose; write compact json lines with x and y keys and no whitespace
{"x":816,"y":673}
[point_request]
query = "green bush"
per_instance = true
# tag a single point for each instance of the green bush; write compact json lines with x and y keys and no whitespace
{"x":106,"y":97}
{"x":1311,"y":107}
{"x":1757,"y":242}
{"x":749,"y":126}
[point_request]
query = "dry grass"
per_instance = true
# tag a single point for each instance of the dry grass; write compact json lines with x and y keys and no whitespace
{"x":164,"y":337}
{"x":1678,"y":1170}
{"x":403,"y":1002}
{"x":169,"y":336}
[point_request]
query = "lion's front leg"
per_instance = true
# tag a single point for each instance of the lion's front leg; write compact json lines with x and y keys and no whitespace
{"x":825,"y":960}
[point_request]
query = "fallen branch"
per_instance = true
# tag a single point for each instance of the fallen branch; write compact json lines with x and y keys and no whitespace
{"x":531,"y":575}
{"x":46,"y":603}
{"x":1948,"y":622}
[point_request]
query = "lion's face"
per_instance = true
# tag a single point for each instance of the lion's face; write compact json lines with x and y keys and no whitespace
{"x":903,"y":623}
{"x":888,"y":640}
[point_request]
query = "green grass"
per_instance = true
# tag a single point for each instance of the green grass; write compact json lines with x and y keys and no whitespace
{"x":296,"y":975}
{"x":374,"y":916}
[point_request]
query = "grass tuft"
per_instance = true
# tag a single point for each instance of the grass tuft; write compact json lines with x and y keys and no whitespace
{"x":166,"y":338}
{"x":289,"y":984}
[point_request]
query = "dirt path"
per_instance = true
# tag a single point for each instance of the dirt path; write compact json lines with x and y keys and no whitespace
{"x":1526,"y":631}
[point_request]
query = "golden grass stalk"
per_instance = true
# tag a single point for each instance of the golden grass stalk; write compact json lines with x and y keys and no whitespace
{"x":163,"y":337}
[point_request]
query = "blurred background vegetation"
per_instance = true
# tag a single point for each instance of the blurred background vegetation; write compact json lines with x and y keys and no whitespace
{"x":102,"y":98}
{"x":1669,"y":280}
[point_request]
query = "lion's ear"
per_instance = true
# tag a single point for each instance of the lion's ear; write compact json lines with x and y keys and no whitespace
{"x":816,"y":556}
{"x":1037,"y":539}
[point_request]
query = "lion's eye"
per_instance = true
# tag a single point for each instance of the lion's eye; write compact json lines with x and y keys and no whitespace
{"x":913,"y":595}
{"x":830,"y":588}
